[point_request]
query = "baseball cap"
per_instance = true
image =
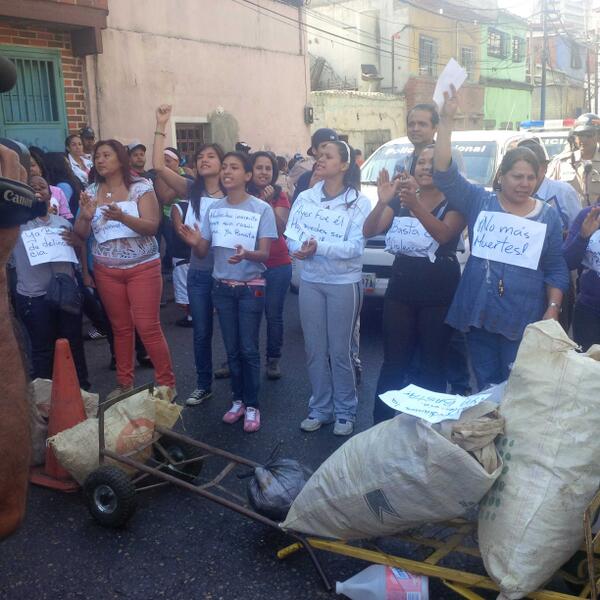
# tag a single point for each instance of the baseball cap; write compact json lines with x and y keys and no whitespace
{"x":135,"y":144}
{"x":87,"y":132}
{"x":320,"y":136}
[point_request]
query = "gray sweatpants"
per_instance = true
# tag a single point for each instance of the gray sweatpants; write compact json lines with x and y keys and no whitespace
{"x":328,"y":314}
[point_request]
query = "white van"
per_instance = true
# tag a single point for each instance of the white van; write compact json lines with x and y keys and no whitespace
{"x":481,"y":151}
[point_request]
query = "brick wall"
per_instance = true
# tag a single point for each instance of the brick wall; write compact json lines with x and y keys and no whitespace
{"x":72,"y":66}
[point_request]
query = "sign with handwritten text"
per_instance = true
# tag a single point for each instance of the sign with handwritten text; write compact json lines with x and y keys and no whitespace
{"x":190,"y":216}
{"x":230,"y":227}
{"x":508,"y":239}
{"x":591,"y":259}
{"x":407,"y":236}
{"x":106,"y":229}
{"x":432,"y":407}
{"x":45,"y":244}
{"x":322,"y":224}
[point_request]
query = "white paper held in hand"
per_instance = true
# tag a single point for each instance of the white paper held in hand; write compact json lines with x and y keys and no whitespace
{"x":453,"y":74}
{"x":45,"y":245}
{"x":432,"y":407}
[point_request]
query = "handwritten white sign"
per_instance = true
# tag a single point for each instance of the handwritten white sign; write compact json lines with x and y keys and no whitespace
{"x":508,"y":239}
{"x":190,"y":217}
{"x":591,"y":260}
{"x":432,"y":407}
{"x":322,"y":224}
{"x":230,"y":227}
{"x":106,"y":229}
{"x":453,"y":74}
{"x":45,"y":244}
{"x":407,"y":236}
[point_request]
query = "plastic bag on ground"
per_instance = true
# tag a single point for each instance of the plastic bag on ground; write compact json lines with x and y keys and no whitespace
{"x":397,"y":475}
{"x":531,"y":522}
{"x":274,"y":486}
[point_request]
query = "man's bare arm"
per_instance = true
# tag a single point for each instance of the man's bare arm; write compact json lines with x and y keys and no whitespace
{"x":15,"y":440}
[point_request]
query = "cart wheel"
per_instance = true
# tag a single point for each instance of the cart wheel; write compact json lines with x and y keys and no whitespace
{"x":181,"y":451}
{"x":110,"y":496}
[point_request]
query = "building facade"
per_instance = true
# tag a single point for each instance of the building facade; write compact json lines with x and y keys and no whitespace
{"x":232,"y":71}
{"x":48,"y":41}
{"x":503,"y":71}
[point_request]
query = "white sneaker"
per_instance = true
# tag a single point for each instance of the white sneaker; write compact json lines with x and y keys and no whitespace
{"x":312,"y":424}
{"x":343,"y":427}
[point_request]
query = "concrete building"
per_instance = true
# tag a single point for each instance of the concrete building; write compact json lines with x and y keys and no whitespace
{"x":48,"y":41}
{"x":503,"y":70}
{"x":233,"y":71}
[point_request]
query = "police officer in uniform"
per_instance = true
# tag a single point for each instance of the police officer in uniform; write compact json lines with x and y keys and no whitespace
{"x":581,"y":167}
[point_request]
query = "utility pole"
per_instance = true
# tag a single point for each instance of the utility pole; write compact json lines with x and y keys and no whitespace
{"x":544,"y":60}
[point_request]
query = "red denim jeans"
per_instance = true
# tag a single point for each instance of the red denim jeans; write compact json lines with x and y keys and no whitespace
{"x":131,"y":298}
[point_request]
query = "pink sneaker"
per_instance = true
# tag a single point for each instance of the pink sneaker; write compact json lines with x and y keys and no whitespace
{"x":252,"y":420}
{"x":235,"y":413}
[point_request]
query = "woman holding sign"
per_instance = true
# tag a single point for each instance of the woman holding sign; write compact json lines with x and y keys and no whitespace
{"x":325,"y":230}
{"x":45,"y":250}
{"x":121,"y":212}
{"x":240,"y":229}
{"x":582,"y":251}
{"x":278,"y":275}
{"x":516,"y":273}
{"x":201,"y":193}
{"x":422,"y":230}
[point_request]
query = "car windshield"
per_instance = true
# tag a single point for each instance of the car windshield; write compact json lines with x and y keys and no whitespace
{"x":479,"y":160}
{"x":554,"y":145}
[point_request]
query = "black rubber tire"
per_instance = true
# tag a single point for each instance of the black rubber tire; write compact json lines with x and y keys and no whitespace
{"x":110,"y":496}
{"x":181,"y":451}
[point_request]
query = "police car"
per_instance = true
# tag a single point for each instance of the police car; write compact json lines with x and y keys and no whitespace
{"x":481,"y":151}
{"x":554,"y":133}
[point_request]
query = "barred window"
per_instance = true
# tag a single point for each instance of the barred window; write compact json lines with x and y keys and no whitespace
{"x":428,"y":50}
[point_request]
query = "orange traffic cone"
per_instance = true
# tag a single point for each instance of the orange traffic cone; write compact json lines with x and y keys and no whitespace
{"x":66,"y":411}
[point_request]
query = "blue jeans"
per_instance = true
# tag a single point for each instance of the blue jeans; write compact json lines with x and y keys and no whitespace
{"x":491,"y":356}
{"x":240,"y":310}
{"x":199,"y":285}
{"x":45,"y":325}
{"x":278,"y":281}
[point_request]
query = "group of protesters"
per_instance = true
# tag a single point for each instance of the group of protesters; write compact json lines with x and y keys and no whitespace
{"x":233,"y":221}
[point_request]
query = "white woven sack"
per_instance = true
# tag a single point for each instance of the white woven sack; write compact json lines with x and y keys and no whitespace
{"x":396,"y":475}
{"x":531,"y":522}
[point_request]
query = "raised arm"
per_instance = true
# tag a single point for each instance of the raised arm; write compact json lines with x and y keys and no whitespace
{"x":442,"y":157}
{"x":381,"y":217}
{"x":175,"y":181}
{"x":83,"y":222}
{"x":585,"y":225}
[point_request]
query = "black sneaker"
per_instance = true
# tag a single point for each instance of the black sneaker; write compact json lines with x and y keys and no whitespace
{"x":222,"y":372}
{"x":198,"y":396}
{"x":184,"y":322}
{"x":144,"y":362}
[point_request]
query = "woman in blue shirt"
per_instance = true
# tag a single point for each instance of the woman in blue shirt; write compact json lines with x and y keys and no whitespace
{"x":516,"y":273}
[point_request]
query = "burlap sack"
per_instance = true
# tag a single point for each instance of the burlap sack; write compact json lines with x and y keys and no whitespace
{"x":128,"y":425}
{"x":394,"y":476}
{"x":40,"y":392}
{"x":531,"y":522}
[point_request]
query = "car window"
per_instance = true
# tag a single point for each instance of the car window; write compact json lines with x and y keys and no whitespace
{"x":479,"y":160}
{"x":554,"y":145}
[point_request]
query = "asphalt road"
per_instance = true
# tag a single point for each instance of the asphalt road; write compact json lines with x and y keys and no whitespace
{"x":179,"y":546}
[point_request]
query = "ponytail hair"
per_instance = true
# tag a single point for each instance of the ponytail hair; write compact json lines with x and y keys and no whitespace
{"x":198,"y":188}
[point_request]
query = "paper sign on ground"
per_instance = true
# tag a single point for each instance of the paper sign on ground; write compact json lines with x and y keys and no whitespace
{"x":432,"y":407}
{"x":322,"y":224}
{"x":591,"y":259}
{"x":508,"y":239}
{"x":453,"y":74}
{"x":205,"y":204}
{"x":231,"y":227}
{"x":45,"y":244}
{"x":106,"y":229}
{"x":407,"y":236}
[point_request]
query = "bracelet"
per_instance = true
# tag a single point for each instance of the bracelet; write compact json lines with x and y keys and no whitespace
{"x":160,"y":133}
{"x":555,"y":305}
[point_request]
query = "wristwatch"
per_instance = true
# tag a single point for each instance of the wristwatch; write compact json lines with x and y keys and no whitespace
{"x":555,"y":305}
